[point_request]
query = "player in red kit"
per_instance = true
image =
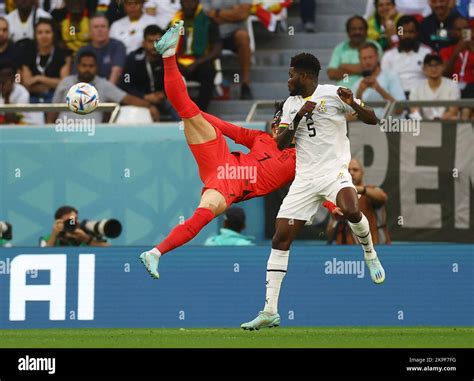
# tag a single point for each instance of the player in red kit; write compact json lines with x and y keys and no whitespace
{"x":228,"y":177}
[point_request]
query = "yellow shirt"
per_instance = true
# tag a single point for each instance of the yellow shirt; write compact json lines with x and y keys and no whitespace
{"x":75,"y":38}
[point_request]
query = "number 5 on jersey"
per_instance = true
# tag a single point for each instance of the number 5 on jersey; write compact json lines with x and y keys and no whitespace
{"x":310,"y":125}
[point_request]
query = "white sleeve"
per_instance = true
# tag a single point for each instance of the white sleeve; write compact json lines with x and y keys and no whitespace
{"x":286,"y":116}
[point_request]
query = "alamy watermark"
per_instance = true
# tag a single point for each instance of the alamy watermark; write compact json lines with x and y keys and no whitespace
{"x":336,"y":267}
{"x":237,"y":172}
{"x":84,"y":125}
{"x":400,"y":125}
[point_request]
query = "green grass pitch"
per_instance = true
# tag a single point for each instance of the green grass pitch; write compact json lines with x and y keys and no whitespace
{"x":282,"y":337}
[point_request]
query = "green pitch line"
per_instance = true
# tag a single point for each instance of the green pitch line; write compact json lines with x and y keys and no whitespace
{"x":315,"y":337}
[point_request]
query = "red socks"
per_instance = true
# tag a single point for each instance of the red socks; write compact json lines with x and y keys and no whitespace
{"x":176,"y":90}
{"x":187,"y":231}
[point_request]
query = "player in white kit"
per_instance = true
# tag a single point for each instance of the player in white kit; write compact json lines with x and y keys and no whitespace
{"x":314,"y":114}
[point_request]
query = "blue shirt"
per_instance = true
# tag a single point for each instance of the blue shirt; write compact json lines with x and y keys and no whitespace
{"x":229,"y":237}
{"x":112,"y":54}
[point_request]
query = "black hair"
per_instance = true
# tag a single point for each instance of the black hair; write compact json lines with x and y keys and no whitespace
{"x":7,"y":64}
{"x":152,"y":30}
{"x":432,"y":57}
{"x":356,"y":17}
{"x":307,"y":63}
{"x":45,"y":21}
{"x":377,"y":16}
{"x":64,"y":210}
{"x":86,"y":53}
{"x":407,"y":19}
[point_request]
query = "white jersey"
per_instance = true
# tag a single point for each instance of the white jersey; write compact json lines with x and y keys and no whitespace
{"x":322,"y":146}
{"x":131,"y":32}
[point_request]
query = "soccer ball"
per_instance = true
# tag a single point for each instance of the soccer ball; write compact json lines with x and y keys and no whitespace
{"x":82,"y":98}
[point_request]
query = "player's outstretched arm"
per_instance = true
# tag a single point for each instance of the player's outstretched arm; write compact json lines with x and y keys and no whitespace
{"x":365,"y":114}
{"x":287,"y":133}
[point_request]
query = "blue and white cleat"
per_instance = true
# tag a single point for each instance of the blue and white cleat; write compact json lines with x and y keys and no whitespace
{"x":170,"y":39}
{"x":377,"y":272}
{"x":150,"y":261}
{"x":263,"y":320}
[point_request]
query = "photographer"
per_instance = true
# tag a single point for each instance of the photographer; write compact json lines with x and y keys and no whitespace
{"x":67,"y":231}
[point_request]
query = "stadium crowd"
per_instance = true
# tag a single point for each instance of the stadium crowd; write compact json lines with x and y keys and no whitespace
{"x":417,"y":50}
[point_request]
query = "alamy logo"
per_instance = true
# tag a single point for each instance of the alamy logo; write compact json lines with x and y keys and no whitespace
{"x":336,"y":267}
{"x":28,"y":363}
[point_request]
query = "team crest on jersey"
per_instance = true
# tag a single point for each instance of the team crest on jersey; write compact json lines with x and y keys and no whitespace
{"x":322,"y":106}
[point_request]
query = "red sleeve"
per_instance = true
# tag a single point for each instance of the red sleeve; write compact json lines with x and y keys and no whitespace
{"x":238,"y":134}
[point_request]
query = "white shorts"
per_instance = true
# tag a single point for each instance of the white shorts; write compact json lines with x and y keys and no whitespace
{"x":305,"y":196}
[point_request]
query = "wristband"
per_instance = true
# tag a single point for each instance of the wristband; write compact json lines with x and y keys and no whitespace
{"x":329,"y":205}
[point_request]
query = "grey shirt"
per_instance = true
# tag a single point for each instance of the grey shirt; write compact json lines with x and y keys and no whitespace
{"x":108,"y":92}
{"x":112,"y":54}
{"x":229,"y":28}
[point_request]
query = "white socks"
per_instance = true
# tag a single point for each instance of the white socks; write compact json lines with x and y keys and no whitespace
{"x":362,"y":230}
{"x":170,"y":52}
{"x":276,"y":270}
{"x":156,"y":252}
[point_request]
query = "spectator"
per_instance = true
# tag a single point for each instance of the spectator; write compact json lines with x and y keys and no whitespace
{"x":74,"y":23}
{"x":459,"y":60}
{"x":231,"y":16}
{"x":199,"y":48}
{"x":407,"y":59}
{"x":344,"y":66}
{"x":108,"y":92}
{"x":435,"y":27}
{"x":144,"y":73}
{"x":67,"y":231}
{"x":42,"y":65}
{"x":110,"y":53}
{"x":23,"y":19}
{"x":419,"y":8}
{"x":308,"y":15}
{"x":376,"y":84}
{"x":371,"y":202}
{"x":113,"y":9}
{"x":162,"y":10}
{"x":435,"y":87}
{"x":230,"y":233}
{"x":13,"y":93}
{"x":7,"y":49}
{"x":382,"y":24}
{"x":129,"y":29}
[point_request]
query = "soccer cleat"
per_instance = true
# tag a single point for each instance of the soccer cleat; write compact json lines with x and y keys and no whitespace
{"x":150,"y":261}
{"x":263,"y":320}
{"x":377,"y":272}
{"x":170,"y":39}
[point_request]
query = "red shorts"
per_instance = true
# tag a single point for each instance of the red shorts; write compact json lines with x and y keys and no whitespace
{"x":214,"y":160}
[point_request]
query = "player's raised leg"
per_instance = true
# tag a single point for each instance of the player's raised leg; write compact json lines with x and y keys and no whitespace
{"x":196,"y":129}
{"x":277,"y":265}
{"x":348,"y":202}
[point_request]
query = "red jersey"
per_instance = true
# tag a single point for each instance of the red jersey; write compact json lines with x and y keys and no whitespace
{"x":464,"y":64}
{"x":257,"y":173}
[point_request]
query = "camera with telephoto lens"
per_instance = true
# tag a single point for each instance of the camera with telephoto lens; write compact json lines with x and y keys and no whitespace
{"x":110,"y":228}
{"x":5,"y":230}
